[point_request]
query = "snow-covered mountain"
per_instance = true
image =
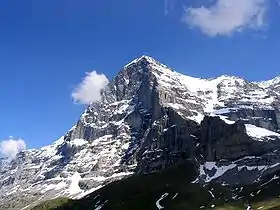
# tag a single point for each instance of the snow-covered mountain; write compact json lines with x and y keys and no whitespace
{"x":151,"y":117}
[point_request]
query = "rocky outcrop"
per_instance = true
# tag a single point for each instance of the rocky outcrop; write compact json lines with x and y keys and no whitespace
{"x":173,"y":139}
{"x":265,"y":118}
{"x":169,"y":140}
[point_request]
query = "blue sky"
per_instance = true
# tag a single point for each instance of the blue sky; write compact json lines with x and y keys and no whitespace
{"x":48,"y":46}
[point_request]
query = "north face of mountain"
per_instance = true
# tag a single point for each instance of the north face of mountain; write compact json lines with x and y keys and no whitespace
{"x":150,"y":118}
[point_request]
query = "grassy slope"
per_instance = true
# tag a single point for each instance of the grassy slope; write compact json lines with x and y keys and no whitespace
{"x":142,"y":192}
{"x":52,"y":204}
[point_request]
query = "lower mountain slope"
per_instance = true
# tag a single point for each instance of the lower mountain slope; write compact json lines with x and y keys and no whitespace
{"x":172,"y":189}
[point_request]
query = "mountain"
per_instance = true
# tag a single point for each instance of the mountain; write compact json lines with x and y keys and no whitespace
{"x":149,"y":119}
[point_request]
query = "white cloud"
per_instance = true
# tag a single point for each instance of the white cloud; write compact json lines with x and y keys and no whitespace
{"x":9,"y":148}
{"x":225,"y":17}
{"x":89,"y":89}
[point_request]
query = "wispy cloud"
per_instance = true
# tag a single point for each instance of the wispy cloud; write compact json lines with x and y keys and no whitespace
{"x":226,"y":17}
{"x":166,"y":7}
{"x":89,"y":89}
{"x":170,"y":5}
{"x":9,"y":148}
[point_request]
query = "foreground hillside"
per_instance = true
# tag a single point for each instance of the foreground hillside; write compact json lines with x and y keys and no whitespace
{"x":171,"y":189}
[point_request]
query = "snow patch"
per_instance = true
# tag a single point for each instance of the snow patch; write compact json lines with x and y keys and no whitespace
{"x":220,"y":170}
{"x":126,"y":146}
{"x":174,"y":196}
{"x":224,"y":111}
{"x":74,"y":186}
{"x":161,"y":198}
{"x":99,"y":207}
{"x":78,"y":142}
{"x":211,"y":193}
{"x":175,"y":106}
{"x":197,"y":118}
{"x":258,"y":132}
{"x":60,"y":185}
{"x":224,"y":118}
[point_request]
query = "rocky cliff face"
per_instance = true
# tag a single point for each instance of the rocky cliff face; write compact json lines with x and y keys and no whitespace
{"x":149,"y":118}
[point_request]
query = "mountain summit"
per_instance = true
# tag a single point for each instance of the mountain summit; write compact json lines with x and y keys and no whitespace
{"x":150,"y":118}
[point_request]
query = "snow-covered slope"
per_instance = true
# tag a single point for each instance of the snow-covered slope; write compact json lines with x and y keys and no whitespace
{"x":269,"y":83}
{"x":112,"y":136}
